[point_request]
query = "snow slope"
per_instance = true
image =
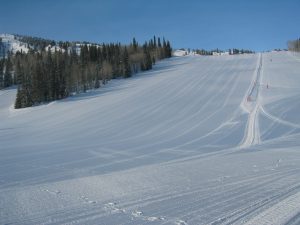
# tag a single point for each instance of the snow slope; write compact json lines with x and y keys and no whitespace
{"x":177,"y":145}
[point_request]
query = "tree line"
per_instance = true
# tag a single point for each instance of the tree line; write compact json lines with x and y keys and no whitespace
{"x":294,"y":45}
{"x":233,"y":51}
{"x":46,"y":75}
{"x":6,"y":71}
{"x":2,"y":49}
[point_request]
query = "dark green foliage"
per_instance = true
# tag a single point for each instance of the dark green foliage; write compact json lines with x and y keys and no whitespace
{"x":44,"y":76}
{"x":2,"y":49}
{"x":148,"y":60}
{"x":158,"y":43}
{"x":7,"y":77}
{"x":203,"y":52}
{"x":168,"y":50}
{"x":1,"y":73}
{"x":127,"y":69}
{"x":18,"y":102}
{"x":235,"y":51}
{"x":134,"y":44}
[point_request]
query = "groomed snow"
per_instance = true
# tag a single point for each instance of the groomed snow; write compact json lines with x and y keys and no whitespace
{"x":177,"y":145}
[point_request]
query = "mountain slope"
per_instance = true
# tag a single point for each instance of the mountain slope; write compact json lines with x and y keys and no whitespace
{"x":11,"y":44}
{"x":19,"y":43}
{"x":177,"y":145}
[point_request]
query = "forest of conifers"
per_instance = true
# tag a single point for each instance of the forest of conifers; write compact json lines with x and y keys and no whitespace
{"x":45,"y":74}
{"x":294,"y":45}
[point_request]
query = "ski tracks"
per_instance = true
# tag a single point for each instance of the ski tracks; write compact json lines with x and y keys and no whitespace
{"x":252,"y":102}
{"x":280,"y":213}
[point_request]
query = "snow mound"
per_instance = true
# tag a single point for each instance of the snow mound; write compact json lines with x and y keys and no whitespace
{"x":180,"y":52}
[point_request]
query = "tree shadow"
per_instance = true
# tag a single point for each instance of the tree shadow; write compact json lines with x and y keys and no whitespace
{"x":119,"y":84}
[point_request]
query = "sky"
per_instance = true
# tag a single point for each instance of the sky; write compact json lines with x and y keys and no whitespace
{"x":250,"y":24}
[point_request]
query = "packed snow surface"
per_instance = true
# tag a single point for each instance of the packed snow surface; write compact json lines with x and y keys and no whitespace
{"x":198,"y":140}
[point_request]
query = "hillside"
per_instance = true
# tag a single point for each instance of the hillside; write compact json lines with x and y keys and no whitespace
{"x":49,"y":71}
{"x":197,"y":140}
{"x":9,"y":43}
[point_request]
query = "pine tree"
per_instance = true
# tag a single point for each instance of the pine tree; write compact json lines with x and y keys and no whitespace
{"x":168,"y":50}
{"x":7,"y":74}
{"x":147,"y":65}
{"x":148,"y":60}
{"x":134,"y":44}
{"x":45,"y":76}
{"x":158,"y":43}
{"x":127,"y":69}
{"x":2,"y":50}
{"x":19,"y":99}
{"x":19,"y":72}
{"x":164,"y":50}
{"x":1,"y":73}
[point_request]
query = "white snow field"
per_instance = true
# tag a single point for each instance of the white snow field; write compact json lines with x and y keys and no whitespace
{"x":198,"y":140}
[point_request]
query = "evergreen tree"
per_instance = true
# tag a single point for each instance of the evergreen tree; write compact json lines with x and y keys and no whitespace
{"x":154,"y":42}
{"x":19,"y":72}
{"x":148,"y":61}
{"x":97,"y":79}
{"x":164,"y":50}
{"x":158,"y":43}
{"x":46,"y":76}
{"x":127,"y":69}
{"x":168,"y":50}
{"x":1,"y":73}
{"x":19,"y":99}
{"x":134,"y":44}
{"x":147,"y":65}
{"x":7,"y":74}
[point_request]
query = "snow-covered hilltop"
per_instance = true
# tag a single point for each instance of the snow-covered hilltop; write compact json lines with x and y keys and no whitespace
{"x":198,"y":140}
{"x":10,"y":43}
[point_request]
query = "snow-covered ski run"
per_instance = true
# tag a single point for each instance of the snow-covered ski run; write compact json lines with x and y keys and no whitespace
{"x":252,"y":104}
{"x":198,"y":140}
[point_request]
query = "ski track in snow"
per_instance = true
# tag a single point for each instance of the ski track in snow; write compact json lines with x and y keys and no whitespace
{"x":177,"y":145}
{"x":252,"y":102}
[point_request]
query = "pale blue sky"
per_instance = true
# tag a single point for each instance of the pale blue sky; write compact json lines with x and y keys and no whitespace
{"x":252,"y":24}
